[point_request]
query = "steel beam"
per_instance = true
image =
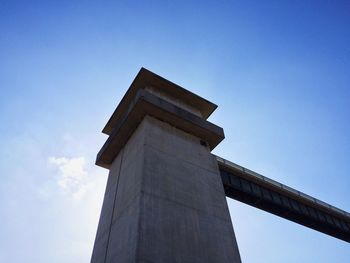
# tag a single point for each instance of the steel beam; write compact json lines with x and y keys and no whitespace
{"x":261,"y":192}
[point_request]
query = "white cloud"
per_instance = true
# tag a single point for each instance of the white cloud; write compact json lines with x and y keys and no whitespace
{"x":72,"y":175}
{"x":81,"y":191}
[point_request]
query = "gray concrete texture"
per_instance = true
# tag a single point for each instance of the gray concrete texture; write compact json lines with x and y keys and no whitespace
{"x":163,"y":88}
{"x":164,"y":202}
{"x":146,"y":103}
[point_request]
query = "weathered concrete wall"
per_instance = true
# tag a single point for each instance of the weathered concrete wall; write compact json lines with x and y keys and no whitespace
{"x":164,"y":202}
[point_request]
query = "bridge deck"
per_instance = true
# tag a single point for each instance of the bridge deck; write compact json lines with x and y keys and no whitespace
{"x":259,"y":191}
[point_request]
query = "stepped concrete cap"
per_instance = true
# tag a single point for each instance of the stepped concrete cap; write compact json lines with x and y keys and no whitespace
{"x":145,"y":103}
{"x":147,"y":79}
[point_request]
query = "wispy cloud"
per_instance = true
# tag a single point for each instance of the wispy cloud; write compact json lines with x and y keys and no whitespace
{"x":72,"y":177}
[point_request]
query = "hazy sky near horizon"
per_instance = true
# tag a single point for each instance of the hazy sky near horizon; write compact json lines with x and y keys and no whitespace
{"x":278,"y":70}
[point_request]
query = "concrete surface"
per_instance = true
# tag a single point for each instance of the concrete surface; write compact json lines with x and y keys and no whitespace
{"x":164,"y":202}
{"x":159,"y":85}
{"x":147,"y":103}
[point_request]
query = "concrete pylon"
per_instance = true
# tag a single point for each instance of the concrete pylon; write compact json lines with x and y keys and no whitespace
{"x":164,"y":200}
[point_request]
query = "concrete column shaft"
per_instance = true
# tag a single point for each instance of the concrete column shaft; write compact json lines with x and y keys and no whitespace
{"x":164,"y":202}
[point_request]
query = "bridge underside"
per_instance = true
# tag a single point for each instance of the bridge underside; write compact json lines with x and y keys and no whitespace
{"x":261,"y":192}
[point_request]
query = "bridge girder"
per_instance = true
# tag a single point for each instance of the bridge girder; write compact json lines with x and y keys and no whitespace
{"x":261,"y":192}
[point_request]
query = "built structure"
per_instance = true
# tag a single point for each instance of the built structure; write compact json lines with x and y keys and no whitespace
{"x":165,"y":195}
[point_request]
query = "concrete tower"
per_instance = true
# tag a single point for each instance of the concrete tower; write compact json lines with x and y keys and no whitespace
{"x":164,"y":200}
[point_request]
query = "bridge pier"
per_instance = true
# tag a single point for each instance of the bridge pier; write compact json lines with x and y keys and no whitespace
{"x":164,"y":199}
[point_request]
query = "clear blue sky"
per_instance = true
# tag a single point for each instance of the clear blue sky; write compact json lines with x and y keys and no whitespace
{"x":279,"y":71}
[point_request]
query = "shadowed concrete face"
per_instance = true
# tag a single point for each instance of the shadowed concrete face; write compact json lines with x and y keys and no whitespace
{"x":164,"y":202}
